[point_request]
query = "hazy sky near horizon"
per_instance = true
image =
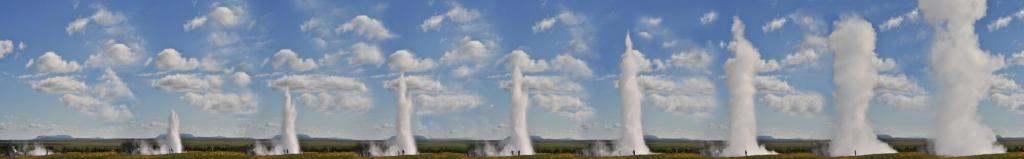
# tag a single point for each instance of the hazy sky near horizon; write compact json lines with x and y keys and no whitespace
{"x":117,"y":68}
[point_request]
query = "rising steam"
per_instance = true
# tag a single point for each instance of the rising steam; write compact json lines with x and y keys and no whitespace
{"x":288,"y":142}
{"x":855,"y":77}
{"x":739,"y":75}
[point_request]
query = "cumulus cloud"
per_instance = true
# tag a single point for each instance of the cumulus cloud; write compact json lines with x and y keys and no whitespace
{"x":113,"y":54}
{"x":406,"y":61}
{"x":6,"y":46}
{"x":416,"y":84}
{"x":568,"y":106}
{"x":432,"y":23}
{"x":317,"y":83}
{"x":463,"y":71}
{"x":60,"y":84}
{"x":902,"y":101}
{"x":576,"y":25}
{"x":444,"y":103}
{"x":50,"y":62}
{"x":227,"y":17}
{"x":194,"y":23}
{"x":571,"y":66}
{"x":188,"y":83}
{"x":367,"y":27}
{"x":241,"y":79}
{"x":95,"y":107}
{"x":681,"y":104}
{"x":332,"y":102}
{"x":694,"y":59}
{"x":544,"y":24}
{"x":102,"y":16}
{"x":693,"y":96}
{"x":773,"y":25}
{"x":112,"y":87}
{"x":171,"y":59}
{"x":295,"y":63}
{"x":519,"y":58}
{"x":467,"y":50}
{"x":1000,"y":23}
{"x":363,"y":53}
{"x":223,"y":103}
{"x":1012,"y":102}
{"x":898,"y":20}
{"x":772,"y":84}
{"x":709,"y":17}
{"x":900,"y":92}
{"x":548,"y":84}
{"x":796,"y":104}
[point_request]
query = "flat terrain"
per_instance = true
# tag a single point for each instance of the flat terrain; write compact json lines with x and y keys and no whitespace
{"x":335,"y":148}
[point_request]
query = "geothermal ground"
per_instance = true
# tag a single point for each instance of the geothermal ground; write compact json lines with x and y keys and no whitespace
{"x":547,"y":148}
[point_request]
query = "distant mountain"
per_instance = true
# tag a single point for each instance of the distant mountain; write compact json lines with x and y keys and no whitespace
{"x":765,"y":137}
{"x":650,"y":137}
{"x":533,"y":137}
{"x":883,"y":136}
{"x":182,"y":135}
{"x":300,"y":136}
{"x":54,"y":137}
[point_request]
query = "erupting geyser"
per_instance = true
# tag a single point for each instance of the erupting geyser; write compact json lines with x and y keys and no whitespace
{"x":288,"y":142}
{"x":520,"y":143}
{"x":168,"y":143}
{"x":406,"y":142}
{"x":632,"y":141}
{"x":853,"y":42}
{"x":962,"y":72}
{"x":739,"y":76}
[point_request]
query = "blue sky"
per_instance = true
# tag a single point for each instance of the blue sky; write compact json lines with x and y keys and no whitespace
{"x":250,"y":37}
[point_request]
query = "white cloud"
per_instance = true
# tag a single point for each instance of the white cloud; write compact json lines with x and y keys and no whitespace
{"x":772,"y":84}
{"x":287,"y":56}
{"x":363,"y":53}
{"x":544,"y":24}
{"x":691,"y":59}
{"x":226,"y":17}
{"x":681,"y":104}
{"x":1000,"y":83}
{"x":885,"y":64}
{"x":406,"y":61}
{"x":6,"y":46}
{"x":241,"y":79}
{"x":773,"y":25}
{"x":467,"y":50}
{"x":102,"y":16}
{"x":97,"y":108}
{"x":170,"y":59}
{"x":902,"y":101}
{"x":50,"y":62}
{"x":330,"y":103}
{"x":444,"y":103}
{"x":112,"y":87}
{"x":460,"y":14}
{"x":571,"y":65}
{"x":519,"y":58}
{"x":367,"y":27}
{"x":59,"y":84}
{"x":77,"y":26}
{"x":708,"y":18}
{"x":223,"y":103}
{"x":898,"y":20}
{"x":463,"y":71}
{"x":188,"y":83}
{"x":898,"y":83}
{"x":1017,"y":59}
{"x":1000,"y":23}
{"x":221,"y":38}
{"x":796,"y":104}
{"x":317,"y":83}
{"x":547,"y":84}
{"x":567,"y":106}
{"x":650,"y":21}
{"x":432,"y":23}
{"x":416,"y":84}
{"x":194,"y":23}
{"x":1012,"y":102}
{"x":114,"y":54}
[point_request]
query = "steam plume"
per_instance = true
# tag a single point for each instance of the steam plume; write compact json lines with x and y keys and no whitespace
{"x":855,"y":77}
{"x":739,"y":75}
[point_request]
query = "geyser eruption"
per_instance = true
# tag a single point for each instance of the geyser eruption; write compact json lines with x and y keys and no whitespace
{"x":632,"y":141}
{"x":168,"y":143}
{"x":288,"y":141}
{"x":855,"y":76}
{"x":739,"y":76}
{"x":962,"y":72}
{"x":403,"y":143}
{"x":520,"y":144}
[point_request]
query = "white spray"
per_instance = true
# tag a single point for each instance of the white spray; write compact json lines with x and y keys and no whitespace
{"x":962,"y":72}
{"x":855,"y":77}
{"x":169,"y":143}
{"x":632,"y":141}
{"x":38,"y":150}
{"x":405,"y":144}
{"x":288,"y":143}
{"x":520,"y":136}
{"x":739,"y":75}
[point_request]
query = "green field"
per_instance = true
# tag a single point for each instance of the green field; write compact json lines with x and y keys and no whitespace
{"x":331,"y":148}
